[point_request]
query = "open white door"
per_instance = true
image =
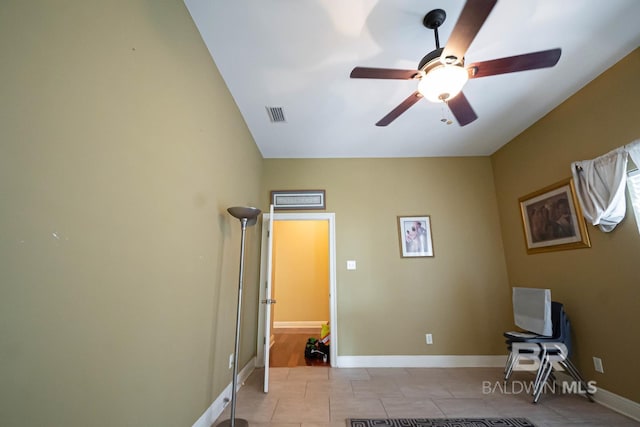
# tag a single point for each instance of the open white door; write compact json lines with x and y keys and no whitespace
{"x":266,"y":285}
{"x":267,"y":301}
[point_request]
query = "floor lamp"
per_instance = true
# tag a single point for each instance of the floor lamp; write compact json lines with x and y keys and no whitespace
{"x":247,"y":217}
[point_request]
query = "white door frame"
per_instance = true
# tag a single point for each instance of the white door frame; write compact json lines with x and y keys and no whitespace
{"x":324,"y":216}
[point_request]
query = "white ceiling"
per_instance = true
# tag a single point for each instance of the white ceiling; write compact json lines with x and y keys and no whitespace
{"x":297,"y":54}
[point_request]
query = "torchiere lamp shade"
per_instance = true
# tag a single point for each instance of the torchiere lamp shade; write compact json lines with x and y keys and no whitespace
{"x":251,"y":214}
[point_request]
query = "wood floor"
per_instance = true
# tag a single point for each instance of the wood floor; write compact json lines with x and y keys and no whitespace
{"x":288,"y":348}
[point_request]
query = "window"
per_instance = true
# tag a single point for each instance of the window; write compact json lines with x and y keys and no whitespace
{"x":633,"y":184}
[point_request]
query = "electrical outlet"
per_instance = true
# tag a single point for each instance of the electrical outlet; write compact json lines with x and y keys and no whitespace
{"x":231,"y":361}
{"x":429,"y":338}
{"x":597,"y":364}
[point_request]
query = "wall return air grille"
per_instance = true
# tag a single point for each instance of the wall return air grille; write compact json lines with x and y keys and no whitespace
{"x":298,"y":199}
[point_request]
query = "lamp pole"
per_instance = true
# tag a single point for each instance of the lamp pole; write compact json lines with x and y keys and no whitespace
{"x":248,"y":217}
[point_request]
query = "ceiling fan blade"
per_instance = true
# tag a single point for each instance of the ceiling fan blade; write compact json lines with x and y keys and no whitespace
{"x":511,"y":64}
{"x":383,"y":73}
{"x":404,"y":106}
{"x":461,"y":109}
{"x":473,"y":15}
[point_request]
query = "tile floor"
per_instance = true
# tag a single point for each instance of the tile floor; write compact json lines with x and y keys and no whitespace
{"x":325,"y":397}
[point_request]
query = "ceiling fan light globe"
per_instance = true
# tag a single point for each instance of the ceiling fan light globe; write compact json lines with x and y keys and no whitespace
{"x":443,"y":82}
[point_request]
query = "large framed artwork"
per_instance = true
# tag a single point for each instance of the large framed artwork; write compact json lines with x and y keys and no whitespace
{"x":415,"y":236}
{"x":552,"y":219}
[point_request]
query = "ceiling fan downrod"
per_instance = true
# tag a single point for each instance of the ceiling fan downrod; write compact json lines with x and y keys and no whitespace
{"x":433,"y":20}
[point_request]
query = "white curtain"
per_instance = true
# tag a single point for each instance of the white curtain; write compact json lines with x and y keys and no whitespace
{"x":600,"y":184}
{"x":633,"y":149}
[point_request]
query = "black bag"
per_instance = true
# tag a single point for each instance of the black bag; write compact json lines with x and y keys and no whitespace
{"x":314,"y":349}
{"x":324,"y":349}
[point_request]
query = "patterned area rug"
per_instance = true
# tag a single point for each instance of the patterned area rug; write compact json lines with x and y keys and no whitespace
{"x":440,"y":422}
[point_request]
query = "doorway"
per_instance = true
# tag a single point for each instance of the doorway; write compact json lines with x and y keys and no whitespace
{"x":300,"y":285}
{"x":303,"y":250}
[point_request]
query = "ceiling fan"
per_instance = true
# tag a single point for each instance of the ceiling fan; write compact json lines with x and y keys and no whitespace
{"x":442,"y":72}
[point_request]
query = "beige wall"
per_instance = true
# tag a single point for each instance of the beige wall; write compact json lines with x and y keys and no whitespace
{"x":301,"y":270}
{"x":120,"y":150}
{"x":120,"y":147}
{"x":387,"y":305}
{"x":600,"y":285}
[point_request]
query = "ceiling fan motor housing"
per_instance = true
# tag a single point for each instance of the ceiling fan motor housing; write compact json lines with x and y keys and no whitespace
{"x":430,"y":60}
{"x":434,"y":58}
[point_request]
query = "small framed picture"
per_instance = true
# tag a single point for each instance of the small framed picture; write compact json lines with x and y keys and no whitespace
{"x":415,"y":236}
{"x":552,"y":219}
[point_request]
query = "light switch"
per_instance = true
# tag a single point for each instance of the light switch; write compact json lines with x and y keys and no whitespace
{"x":351,"y":265}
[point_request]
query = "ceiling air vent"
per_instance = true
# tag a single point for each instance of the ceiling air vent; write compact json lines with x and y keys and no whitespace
{"x":276,"y":114}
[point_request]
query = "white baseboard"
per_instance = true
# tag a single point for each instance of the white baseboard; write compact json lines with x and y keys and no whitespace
{"x":300,"y":324}
{"x":420,"y":361}
{"x":612,"y":401}
{"x":213,"y":412}
{"x":618,"y":403}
